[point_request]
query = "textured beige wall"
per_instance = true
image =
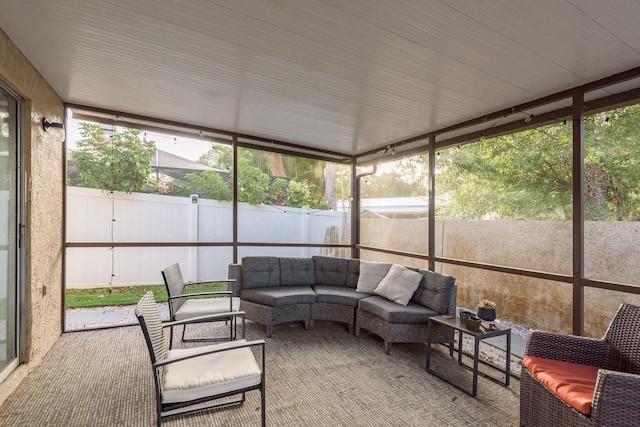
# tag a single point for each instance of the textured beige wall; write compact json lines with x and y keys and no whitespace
{"x":44,"y":196}
{"x":544,"y":246}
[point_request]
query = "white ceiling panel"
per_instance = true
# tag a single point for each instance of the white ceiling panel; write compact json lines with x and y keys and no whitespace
{"x":343,"y":75}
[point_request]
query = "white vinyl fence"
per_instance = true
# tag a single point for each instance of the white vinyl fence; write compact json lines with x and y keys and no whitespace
{"x":97,"y":216}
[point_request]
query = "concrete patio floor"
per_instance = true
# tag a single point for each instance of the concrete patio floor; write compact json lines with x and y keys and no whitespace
{"x":319,"y":377}
{"x":492,"y":350}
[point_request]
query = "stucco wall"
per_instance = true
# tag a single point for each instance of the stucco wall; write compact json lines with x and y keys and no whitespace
{"x":44,"y":196}
{"x":544,"y":246}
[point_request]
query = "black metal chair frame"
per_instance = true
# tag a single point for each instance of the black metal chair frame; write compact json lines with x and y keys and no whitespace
{"x":171,"y":409}
{"x":174,"y":299}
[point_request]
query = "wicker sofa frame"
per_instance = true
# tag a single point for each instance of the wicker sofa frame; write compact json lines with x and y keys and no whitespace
{"x":354,"y":317}
{"x":616,"y":398}
{"x":393,"y":333}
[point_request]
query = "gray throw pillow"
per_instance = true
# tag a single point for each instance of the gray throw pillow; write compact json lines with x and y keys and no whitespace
{"x":371,"y":273}
{"x":399,"y":284}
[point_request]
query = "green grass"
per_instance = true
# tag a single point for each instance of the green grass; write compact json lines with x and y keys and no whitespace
{"x":127,"y":295}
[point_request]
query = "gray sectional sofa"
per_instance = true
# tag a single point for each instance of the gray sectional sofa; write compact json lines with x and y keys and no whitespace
{"x":386,"y":299}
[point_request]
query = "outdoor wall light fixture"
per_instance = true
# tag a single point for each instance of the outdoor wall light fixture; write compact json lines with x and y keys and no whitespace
{"x":57,"y":129}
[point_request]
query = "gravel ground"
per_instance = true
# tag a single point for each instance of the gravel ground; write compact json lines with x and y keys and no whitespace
{"x":100,"y":317}
{"x":492,"y":350}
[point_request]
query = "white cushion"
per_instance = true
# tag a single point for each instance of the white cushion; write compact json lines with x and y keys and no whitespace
{"x":202,"y":306}
{"x":210,"y":374}
{"x":399,"y":284}
{"x":371,"y":273}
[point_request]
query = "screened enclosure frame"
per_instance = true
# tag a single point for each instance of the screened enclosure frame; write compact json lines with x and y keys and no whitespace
{"x":570,"y":105}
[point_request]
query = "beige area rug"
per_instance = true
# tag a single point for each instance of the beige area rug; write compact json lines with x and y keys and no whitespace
{"x":320,"y":377}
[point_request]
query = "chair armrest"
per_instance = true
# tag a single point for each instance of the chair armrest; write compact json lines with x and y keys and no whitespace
{"x":197,"y":294}
{"x":205,"y":318}
{"x":568,"y":348}
{"x":616,"y":400}
{"x":210,"y":318}
{"x":212,"y":349}
{"x":210,"y":281}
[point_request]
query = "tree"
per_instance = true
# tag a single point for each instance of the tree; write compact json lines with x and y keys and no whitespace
{"x":519,"y":176}
{"x":207,"y":184}
{"x":298,"y":194}
{"x":119,"y":163}
{"x":253,"y":184}
{"x":276,"y":167}
{"x":218,"y":157}
{"x":612,"y":169}
{"x":388,"y":184}
{"x":330,"y":191}
{"x":528,"y":175}
{"x":263,"y":177}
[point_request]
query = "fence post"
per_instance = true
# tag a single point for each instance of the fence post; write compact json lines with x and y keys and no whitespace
{"x":192,"y":257}
{"x":306,"y":220}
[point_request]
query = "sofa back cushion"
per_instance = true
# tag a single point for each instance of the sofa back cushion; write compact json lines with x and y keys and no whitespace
{"x":260,"y":272}
{"x":434,"y":291}
{"x":296,"y":271}
{"x":330,"y":271}
{"x":399,"y":284}
{"x":371,"y":274}
{"x":353,"y":272}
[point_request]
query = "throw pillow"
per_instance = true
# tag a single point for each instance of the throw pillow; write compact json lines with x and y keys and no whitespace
{"x":371,"y":273}
{"x":399,"y":284}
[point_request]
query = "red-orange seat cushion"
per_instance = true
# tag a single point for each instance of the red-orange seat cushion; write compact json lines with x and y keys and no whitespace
{"x":571,"y":382}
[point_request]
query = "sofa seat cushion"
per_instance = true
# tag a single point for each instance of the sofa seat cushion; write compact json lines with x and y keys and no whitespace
{"x":411,"y":313}
{"x":571,"y":382}
{"x":276,"y":296}
{"x":338,"y":295}
{"x":214,"y":373}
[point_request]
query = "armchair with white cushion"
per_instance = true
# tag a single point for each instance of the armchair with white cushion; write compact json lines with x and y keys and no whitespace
{"x":184,"y":305}
{"x":194,"y":379}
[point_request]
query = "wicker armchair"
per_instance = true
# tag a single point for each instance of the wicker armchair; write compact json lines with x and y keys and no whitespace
{"x":616,"y":397}
{"x":194,"y":379}
{"x":183,"y":305}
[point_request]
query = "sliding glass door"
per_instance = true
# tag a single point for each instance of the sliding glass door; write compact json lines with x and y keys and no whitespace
{"x":9,"y":208}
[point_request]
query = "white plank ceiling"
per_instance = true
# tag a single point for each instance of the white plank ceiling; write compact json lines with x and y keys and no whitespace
{"x":342,"y":75}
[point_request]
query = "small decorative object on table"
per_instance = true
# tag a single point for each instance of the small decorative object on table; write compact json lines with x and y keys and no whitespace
{"x":470,"y":321}
{"x":487,"y":310}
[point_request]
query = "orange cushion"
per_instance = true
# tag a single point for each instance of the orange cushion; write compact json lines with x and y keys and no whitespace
{"x":571,"y":382}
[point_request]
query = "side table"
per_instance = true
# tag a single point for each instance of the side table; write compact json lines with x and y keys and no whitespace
{"x":486,"y":331}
